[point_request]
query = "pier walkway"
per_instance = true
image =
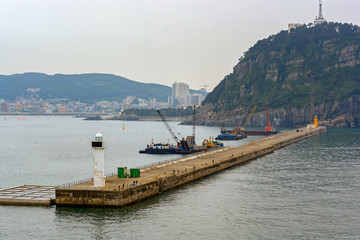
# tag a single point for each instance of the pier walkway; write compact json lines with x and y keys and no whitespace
{"x":165,"y":176}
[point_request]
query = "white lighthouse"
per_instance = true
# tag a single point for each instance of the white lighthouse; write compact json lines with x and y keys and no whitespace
{"x":98,"y":145}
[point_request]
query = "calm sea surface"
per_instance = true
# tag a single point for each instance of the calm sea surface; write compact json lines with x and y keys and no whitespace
{"x":309,"y":190}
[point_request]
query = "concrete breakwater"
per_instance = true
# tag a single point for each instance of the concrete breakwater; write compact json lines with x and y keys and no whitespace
{"x":155,"y":179}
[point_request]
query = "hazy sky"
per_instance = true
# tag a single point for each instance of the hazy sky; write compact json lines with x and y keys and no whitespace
{"x":154,"y":41}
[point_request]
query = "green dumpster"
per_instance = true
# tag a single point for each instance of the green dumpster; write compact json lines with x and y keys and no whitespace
{"x":134,"y":172}
{"x":122,"y":172}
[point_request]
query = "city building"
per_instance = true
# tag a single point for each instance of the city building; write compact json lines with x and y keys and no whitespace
{"x":152,"y":103}
{"x":179,"y":92}
{"x":19,"y":107}
{"x":193,"y":99}
{"x":61,"y":109}
{"x":4,"y":106}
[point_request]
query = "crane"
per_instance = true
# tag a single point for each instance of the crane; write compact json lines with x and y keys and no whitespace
{"x":268,"y":126}
{"x":168,"y":127}
{"x":250,"y":113}
{"x":205,"y":85}
{"x":222,"y":129}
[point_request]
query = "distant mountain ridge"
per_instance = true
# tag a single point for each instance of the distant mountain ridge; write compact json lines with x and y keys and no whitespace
{"x":89,"y":87}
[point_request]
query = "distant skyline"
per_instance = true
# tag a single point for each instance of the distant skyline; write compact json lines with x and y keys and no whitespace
{"x":152,"y":41}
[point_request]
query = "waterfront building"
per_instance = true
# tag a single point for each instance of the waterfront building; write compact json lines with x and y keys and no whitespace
{"x":4,"y":106}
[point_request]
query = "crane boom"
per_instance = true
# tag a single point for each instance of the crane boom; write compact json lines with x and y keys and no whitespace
{"x":251,"y":112}
{"x":168,"y":127}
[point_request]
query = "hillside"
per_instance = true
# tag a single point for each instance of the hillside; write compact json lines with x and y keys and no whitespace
{"x":281,"y":69}
{"x":84,"y":87}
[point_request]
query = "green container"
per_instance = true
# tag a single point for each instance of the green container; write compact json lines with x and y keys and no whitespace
{"x":122,"y":172}
{"x":134,"y":172}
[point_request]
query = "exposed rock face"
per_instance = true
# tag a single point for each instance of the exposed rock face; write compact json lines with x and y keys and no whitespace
{"x":335,"y":114}
{"x":272,"y":75}
{"x":348,"y":57}
{"x":284,"y":70}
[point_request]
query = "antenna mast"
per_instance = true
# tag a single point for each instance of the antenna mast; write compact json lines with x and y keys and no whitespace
{"x":320,"y":17}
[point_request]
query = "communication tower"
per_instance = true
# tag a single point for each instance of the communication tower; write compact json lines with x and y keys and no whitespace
{"x":319,"y":19}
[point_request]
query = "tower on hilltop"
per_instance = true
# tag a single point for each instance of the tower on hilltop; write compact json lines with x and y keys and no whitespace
{"x":319,"y":19}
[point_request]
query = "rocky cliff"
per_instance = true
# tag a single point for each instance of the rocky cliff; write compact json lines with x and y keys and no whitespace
{"x":283,"y":70}
{"x":332,"y":114}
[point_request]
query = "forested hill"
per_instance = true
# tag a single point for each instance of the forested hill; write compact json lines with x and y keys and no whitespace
{"x":281,"y":68}
{"x":85,"y":87}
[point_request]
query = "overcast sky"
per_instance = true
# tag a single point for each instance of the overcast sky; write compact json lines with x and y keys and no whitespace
{"x":154,"y":41}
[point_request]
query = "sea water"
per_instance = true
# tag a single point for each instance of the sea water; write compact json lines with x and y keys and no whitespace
{"x":309,"y":190}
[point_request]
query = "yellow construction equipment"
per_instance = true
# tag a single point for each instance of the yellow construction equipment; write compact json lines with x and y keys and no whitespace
{"x":250,"y":113}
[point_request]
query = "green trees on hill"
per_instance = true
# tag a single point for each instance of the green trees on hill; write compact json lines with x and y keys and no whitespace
{"x":84,"y":87}
{"x":280,"y":69}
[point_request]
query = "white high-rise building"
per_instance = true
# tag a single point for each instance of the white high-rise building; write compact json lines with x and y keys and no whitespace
{"x":193,"y":99}
{"x":179,"y":92}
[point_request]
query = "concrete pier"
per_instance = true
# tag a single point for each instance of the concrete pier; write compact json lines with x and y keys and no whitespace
{"x":155,"y":179}
{"x":31,"y":195}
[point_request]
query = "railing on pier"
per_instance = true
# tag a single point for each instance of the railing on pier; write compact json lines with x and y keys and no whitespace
{"x":75,"y":183}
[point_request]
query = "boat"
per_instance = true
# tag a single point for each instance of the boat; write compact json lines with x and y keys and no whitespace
{"x":260,"y":132}
{"x":184,"y":146}
{"x":188,"y":145}
{"x":237,"y":133}
{"x":269,"y":130}
{"x":231,"y":136}
{"x":160,"y":148}
{"x":228,"y":134}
